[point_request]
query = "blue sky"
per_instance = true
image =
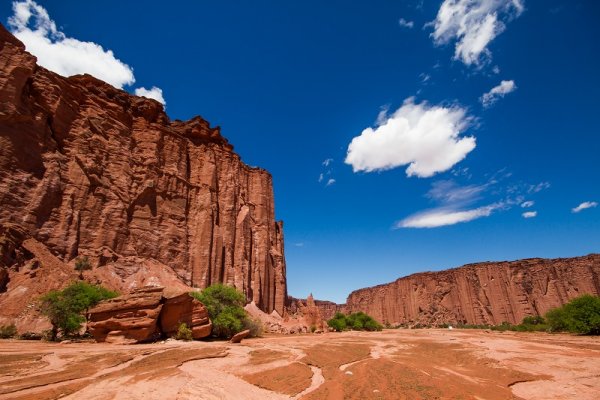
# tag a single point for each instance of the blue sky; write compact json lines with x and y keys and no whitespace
{"x":402,"y":136}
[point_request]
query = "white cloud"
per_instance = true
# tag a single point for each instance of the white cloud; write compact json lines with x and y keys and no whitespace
{"x":406,"y":24}
{"x":527,"y":204}
{"x":153,"y":93}
{"x":327,"y":162}
{"x":584,"y":205}
{"x":497,"y":92}
{"x":529,"y":214}
{"x":61,"y":54}
{"x":330,"y":182}
{"x":427,"y":138}
{"x":320,"y":178}
{"x":473,"y":24}
{"x":442,"y":217}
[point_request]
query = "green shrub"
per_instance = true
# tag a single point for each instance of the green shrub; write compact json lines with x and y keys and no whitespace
{"x":184,"y":332}
{"x":358,"y":321}
{"x":225,"y":309}
{"x":8,"y":331}
{"x":82,"y":264}
{"x":580,"y":315}
{"x":66,"y":308}
{"x":338,"y":322}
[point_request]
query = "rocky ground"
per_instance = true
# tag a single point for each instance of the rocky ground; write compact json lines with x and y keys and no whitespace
{"x":394,"y":364}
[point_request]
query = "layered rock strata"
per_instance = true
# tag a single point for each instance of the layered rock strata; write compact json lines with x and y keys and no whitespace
{"x":90,"y":170}
{"x":146,"y":314}
{"x":483,"y":293}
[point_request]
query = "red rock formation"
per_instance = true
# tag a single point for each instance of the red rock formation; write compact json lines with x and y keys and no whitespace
{"x":131,"y":318}
{"x":484,"y":293}
{"x":183,"y":308}
{"x":146,"y":314}
{"x":90,"y":170}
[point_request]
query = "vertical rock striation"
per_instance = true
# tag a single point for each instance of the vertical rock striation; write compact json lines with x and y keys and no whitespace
{"x":90,"y":170}
{"x":484,"y":293}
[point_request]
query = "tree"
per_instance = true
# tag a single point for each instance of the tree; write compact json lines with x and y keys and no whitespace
{"x":66,"y":308}
{"x":225,"y":307}
{"x":580,"y":315}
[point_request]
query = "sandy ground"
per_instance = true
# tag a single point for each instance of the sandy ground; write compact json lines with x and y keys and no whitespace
{"x":394,"y":364}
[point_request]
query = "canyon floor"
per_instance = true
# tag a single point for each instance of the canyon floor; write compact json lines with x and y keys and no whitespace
{"x":393,"y":364}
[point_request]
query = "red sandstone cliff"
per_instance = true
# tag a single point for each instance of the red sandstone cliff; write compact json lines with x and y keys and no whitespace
{"x":90,"y":170}
{"x":484,"y":293}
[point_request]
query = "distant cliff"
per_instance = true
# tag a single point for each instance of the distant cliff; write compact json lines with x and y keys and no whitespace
{"x":483,"y":293}
{"x":90,"y":170}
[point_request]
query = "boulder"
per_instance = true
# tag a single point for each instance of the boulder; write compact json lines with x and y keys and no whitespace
{"x":184,"y":308}
{"x":147,"y":314}
{"x":131,"y":318}
{"x":237,"y":338}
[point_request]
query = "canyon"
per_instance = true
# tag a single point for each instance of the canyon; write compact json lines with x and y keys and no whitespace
{"x":88,"y":170}
{"x":488,"y":293}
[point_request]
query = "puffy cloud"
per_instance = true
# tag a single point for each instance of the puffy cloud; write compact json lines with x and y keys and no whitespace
{"x":584,"y":205}
{"x":153,"y":93}
{"x":527,"y":204}
{"x":442,"y":217}
{"x":66,"y":56}
{"x":497,"y":92}
{"x":473,"y":24}
{"x":529,"y":214}
{"x":426,"y":138}
{"x":330,"y":182}
{"x":406,"y":24}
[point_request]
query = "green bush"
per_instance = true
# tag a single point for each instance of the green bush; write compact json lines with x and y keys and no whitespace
{"x":580,"y":315}
{"x":338,"y":322}
{"x":8,"y":331}
{"x":66,"y":308}
{"x":225,"y":309}
{"x":358,"y":321}
{"x":82,"y":264}
{"x":184,"y":332}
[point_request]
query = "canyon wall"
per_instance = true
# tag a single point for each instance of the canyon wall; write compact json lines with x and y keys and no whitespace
{"x":483,"y":293}
{"x":89,"y":170}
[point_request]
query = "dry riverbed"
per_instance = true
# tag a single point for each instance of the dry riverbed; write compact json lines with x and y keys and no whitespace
{"x":394,"y":364}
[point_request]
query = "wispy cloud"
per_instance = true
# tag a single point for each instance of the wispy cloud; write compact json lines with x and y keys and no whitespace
{"x":405,"y":23}
{"x":472,"y":25}
{"x":330,"y":182}
{"x":68,"y":56}
{"x":529,"y":214}
{"x":497,"y":92}
{"x":456,"y":203}
{"x":584,"y":205}
{"x":327,"y":161}
{"x":426,"y":138}
{"x":527,"y":204}
{"x":442,"y":217}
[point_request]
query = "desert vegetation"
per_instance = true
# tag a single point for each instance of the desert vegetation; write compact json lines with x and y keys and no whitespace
{"x":66,"y":308}
{"x":225,"y":306}
{"x":358,"y":321}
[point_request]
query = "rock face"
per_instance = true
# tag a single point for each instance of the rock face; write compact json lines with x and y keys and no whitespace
{"x":90,"y":170}
{"x":145,"y":314}
{"x":484,"y":293}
